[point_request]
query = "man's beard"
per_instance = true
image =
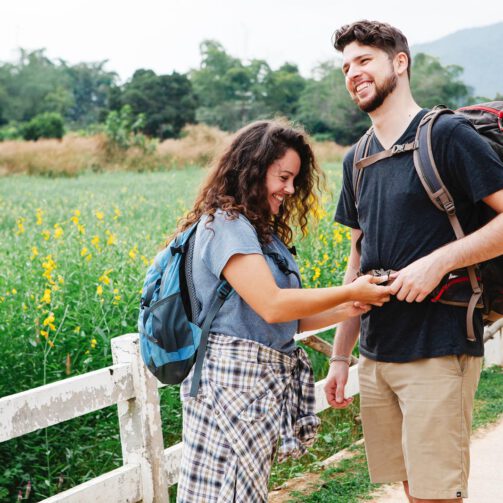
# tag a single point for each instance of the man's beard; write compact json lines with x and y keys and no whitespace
{"x":381,"y":93}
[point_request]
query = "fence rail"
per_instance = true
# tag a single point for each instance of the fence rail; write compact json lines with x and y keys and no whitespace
{"x":148,"y":468}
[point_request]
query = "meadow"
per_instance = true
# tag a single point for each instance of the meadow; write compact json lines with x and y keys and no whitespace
{"x":73,"y":254}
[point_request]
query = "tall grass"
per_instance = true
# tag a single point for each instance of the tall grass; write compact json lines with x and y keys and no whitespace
{"x":74,"y":155}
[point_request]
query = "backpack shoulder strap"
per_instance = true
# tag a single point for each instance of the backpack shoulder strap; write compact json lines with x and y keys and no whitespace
{"x":362,"y":160}
{"x":428,"y":174}
{"x":361,"y":151}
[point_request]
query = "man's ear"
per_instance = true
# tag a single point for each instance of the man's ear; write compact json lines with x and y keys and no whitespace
{"x":401,"y":62}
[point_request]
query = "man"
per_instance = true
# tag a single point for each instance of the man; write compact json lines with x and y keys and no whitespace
{"x":418,"y":372}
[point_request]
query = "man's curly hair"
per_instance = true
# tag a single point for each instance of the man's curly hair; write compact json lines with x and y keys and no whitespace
{"x":375,"y":34}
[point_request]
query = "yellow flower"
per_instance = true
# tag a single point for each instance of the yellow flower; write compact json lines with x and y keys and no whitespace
{"x":96,"y":242}
{"x":77,"y":329}
{"x":89,"y":257}
{"x":117,"y":213}
{"x":50,"y":343}
{"x":14,"y":291}
{"x":104,"y":277}
{"x":75,"y":220}
{"x":93,"y":343}
{"x":99,"y":290}
{"x":39,"y":214}
{"x":81,"y":228}
{"x":58,"y":231}
{"x":46,"y":298}
{"x":317,"y":273}
{"x":117,"y":297}
{"x":145,"y":260}
{"x":61,"y":280}
{"x":112,"y":239}
{"x":48,"y":265}
{"x":133,"y":252}
{"x":99,"y":215}
{"x":46,"y":234}
{"x":20,"y":226}
{"x":44,"y":333}
{"x":34,"y":252}
{"x":84,"y":252}
{"x":49,"y":321}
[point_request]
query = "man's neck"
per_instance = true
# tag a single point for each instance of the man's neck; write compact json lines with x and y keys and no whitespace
{"x":392,"y":118}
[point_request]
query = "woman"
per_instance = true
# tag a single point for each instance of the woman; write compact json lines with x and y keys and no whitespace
{"x":255,"y":384}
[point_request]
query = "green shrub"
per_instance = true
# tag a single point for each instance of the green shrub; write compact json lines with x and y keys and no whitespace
{"x":10,"y":132}
{"x":46,"y":125}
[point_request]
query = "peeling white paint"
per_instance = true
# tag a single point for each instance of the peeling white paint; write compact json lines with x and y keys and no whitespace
{"x":57,"y":402}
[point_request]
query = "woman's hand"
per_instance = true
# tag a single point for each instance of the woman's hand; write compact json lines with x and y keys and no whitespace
{"x":351,"y":309}
{"x":368,"y":290}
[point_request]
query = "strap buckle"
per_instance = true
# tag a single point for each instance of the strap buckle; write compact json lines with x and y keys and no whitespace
{"x":224,"y":289}
{"x":397,"y":149}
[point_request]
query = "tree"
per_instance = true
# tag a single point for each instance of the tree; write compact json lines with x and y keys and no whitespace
{"x":433,"y":84}
{"x":283,"y":89}
{"x":226,"y":89}
{"x":326,"y":109}
{"x":167,"y":101}
{"x":89,"y":85}
{"x":45,"y":125}
{"x":34,"y":85}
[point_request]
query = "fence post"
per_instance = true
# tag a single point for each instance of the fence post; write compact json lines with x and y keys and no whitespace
{"x":493,"y":347}
{"x":140,"y":422}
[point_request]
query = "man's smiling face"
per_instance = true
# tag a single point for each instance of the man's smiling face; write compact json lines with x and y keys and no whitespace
{"x":370,"y":76}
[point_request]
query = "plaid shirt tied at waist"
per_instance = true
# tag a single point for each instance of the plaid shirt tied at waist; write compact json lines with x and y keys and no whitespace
{"x":255,"y":394}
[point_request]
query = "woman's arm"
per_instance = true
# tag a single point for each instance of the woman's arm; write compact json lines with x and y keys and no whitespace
{"x":332,"y":316}
{"x":252,"y":279}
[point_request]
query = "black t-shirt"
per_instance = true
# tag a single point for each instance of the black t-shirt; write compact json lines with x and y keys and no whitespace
{"x":400,"y":224}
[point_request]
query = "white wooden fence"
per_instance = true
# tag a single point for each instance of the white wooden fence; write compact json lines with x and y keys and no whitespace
{"x":148,"y":468}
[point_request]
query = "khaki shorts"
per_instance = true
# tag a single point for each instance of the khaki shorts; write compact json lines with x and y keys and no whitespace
{"x":417,"y":420}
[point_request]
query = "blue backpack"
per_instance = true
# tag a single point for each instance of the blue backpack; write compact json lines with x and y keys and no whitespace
{"x":170,"y":340}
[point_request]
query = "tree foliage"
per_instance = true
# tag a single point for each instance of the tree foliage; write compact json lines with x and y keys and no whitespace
{"x":44,"y":125}
{"x":35,"y":84}
{"x":326,"y":109}
{"x":166,"y":101}
{"x":433,"y":84}
{"x":224,"y":91}
{"x":232,"y":93}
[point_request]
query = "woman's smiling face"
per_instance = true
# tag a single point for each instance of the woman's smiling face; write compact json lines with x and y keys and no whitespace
{"x":280,"y":179}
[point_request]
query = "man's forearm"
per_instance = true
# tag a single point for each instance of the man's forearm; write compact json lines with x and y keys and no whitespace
{"x":347,"y":331}
{"x":481,"y":245}
{"x":346,"y":337}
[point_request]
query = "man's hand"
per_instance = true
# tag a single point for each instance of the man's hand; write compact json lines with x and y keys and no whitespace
{"x":335,"y":384}
{"x":417,"y":280}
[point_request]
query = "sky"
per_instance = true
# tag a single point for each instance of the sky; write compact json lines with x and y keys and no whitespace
{"x":164,"y":35}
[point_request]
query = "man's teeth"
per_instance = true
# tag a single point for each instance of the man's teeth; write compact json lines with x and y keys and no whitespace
{"x":363,"y":86}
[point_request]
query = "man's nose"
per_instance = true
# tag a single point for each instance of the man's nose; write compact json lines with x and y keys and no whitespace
{"x":352,"y":72}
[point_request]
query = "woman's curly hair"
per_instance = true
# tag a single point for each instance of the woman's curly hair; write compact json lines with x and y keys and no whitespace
{"x":236,"y":182}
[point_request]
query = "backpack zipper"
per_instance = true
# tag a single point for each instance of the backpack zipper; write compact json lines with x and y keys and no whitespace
{"x":494,"y":111}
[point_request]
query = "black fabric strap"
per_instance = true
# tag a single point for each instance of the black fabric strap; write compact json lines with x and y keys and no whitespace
{"x":223,"y":291}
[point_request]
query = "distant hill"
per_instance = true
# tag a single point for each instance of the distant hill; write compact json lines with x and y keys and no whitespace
{"x":478,"y":50}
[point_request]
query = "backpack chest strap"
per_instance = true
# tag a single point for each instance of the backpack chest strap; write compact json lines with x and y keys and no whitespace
{"x":365,"y":162}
